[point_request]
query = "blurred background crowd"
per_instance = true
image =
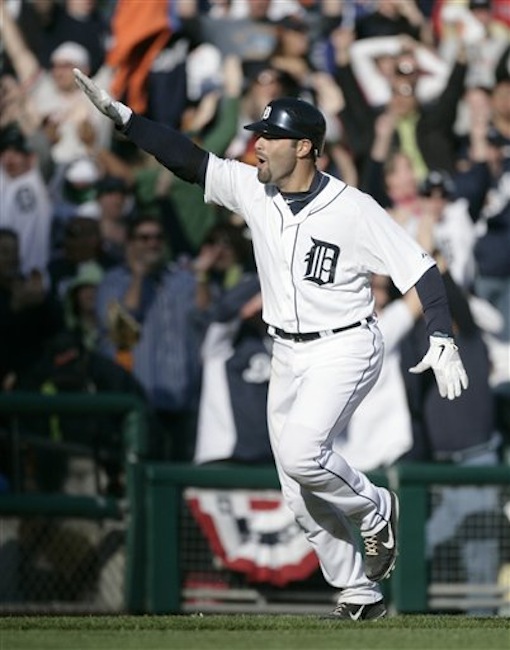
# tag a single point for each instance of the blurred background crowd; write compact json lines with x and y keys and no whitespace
{"x":116,"y":276}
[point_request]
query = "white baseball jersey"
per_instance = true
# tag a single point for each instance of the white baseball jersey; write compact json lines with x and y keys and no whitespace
{"x":25,"y":207}
{"x":315,"y":266}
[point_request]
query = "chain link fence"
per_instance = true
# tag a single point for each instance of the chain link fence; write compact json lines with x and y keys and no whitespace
{"x":468,"y":549}
{"x":63,"y":515}
{"x":54,"y":564}
{"x":63,"y":563}
{"x":467,"y":543}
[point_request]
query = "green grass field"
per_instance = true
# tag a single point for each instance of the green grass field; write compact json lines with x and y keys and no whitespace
{"x":251,"y":632}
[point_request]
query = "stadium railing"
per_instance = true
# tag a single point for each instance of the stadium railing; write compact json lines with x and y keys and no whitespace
{"x":154,"y":514}
{"x":417,"y":584}
{"x":51,"y":509}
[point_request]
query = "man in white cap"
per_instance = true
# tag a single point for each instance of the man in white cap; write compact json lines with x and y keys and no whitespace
{"x":58,"y":103}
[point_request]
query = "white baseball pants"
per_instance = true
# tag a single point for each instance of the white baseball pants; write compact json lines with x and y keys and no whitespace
{"x":315,"y":387}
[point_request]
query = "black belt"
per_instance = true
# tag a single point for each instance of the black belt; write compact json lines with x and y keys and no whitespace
{"x":313,"y":336}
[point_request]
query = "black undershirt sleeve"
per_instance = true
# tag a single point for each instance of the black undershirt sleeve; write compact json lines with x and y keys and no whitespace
{"x":172,"y":149}
{"x":432,"y":294}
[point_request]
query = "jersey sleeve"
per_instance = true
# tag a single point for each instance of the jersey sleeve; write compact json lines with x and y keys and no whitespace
{"x":385,"y":248}
{"x":232,"y":184}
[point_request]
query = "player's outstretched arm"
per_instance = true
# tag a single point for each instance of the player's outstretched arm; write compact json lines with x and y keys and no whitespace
{"x":444,"y":359}
{"x":172,"y":149}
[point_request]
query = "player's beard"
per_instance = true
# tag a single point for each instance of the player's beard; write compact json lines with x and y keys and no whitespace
{"x":278,"y":168}
{"x":264,"y":173}
{"x":267,"y":175}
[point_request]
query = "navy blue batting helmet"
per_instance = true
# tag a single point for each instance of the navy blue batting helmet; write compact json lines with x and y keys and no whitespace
{"x":293,"y":118}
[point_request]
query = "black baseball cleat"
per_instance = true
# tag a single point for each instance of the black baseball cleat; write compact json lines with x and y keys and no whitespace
{"x":381,"y":548}
{"x":354,"y":612}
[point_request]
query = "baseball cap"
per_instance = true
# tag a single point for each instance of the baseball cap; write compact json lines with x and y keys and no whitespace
{"x":89,"y":210}
{"x":82,"y":172}
{"x":11,"y":137}
{"x":71,"y":52}
{"x":438,"y":179}
{"x":109,"y":184}
{"x":294,"y":23}
{"x":88,"y":273}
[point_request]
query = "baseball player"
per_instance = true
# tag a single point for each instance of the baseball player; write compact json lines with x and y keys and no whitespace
{"x":316,"y":242}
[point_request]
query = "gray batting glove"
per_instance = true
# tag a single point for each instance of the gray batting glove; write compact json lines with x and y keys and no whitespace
{"x":444,"y":359}
{"x":116,"y":111}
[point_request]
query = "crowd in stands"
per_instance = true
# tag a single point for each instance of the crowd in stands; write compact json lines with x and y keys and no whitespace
{"x":107,"y":259}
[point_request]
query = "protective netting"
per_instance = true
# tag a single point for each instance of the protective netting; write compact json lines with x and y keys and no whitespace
{"x":61,"y":564}
{"x":468,"y":549}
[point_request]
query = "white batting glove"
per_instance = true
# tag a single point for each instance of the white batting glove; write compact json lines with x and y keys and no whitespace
{"x":116,"y":111}
{"x":444,"y":359}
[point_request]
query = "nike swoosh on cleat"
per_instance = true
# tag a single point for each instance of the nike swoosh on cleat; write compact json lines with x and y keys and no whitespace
{"x":356,"y":616}
{"x":390,"y":543}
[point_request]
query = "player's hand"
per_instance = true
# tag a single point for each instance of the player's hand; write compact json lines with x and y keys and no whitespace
{"x":116,"y":111}
{"x":444,"y":359}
